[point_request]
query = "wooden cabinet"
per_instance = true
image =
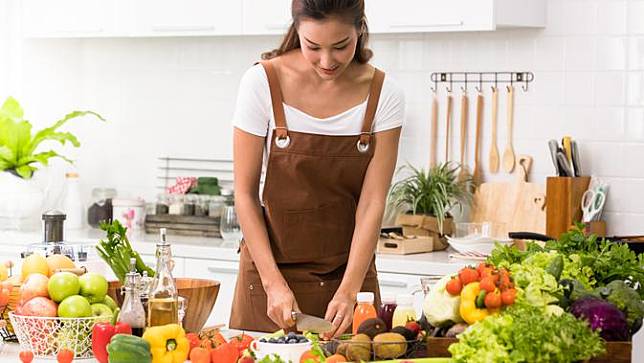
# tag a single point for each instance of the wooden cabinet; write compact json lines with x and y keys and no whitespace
{"x":266,"y":17}
{"x":223,"y":271}
{"x":409,"y":16}
{"x":184,"y":17}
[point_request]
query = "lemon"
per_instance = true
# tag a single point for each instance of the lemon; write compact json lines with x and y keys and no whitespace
{"x":34,"y":263}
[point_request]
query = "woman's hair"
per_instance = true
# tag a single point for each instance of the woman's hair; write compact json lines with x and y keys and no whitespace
{"x":351,"y":11}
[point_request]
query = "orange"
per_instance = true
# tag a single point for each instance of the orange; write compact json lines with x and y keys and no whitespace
{"x":336,"y":358}
{"x":59,"y":261}
{"x":309,"y":357}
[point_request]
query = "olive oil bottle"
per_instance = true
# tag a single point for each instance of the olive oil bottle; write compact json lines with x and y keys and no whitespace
{"x":163,"y":298}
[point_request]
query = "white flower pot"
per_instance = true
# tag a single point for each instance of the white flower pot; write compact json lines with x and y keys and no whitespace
{"x":21,"y":201}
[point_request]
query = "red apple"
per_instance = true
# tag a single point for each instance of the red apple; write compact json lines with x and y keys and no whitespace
{"x":39,"y":306}
{"x":35,"y":285}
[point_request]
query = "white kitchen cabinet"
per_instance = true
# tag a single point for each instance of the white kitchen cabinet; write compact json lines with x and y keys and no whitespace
{"x":223,"y":271}
{"x":409,"y":16}
{"x":266,"y":17}
{"x":69,"y":18}
{"x":184,"y":17}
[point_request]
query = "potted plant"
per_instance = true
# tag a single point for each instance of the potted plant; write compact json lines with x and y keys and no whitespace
{"x":20,"y":157}
{"x":426,"y":199}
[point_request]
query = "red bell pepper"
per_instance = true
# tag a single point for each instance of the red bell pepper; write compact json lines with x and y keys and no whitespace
{"x":102,"y":333}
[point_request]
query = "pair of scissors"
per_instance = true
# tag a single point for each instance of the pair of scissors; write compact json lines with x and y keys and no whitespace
{"x":592,"y":204}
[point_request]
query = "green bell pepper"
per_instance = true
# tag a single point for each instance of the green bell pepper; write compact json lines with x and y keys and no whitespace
{"x":128,"y":348}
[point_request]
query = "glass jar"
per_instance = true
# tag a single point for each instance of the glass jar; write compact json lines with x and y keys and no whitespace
{"x":100,"y":209}
{"x":201,"y":205}
{"x":216,"y":205}
{"x":163,"y":203}
{"x":189,"y":205}
{"x":176,"y":204}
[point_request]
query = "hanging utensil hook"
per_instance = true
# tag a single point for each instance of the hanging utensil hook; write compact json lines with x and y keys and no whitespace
{"x":464,"y":88}
{"x":525,"y":87}
{"x":479,"y":88}
{"x":435,"y":88}
{"x":449,"y":89}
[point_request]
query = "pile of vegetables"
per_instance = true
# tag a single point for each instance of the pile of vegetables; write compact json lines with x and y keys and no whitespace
{"x":570,"y":295}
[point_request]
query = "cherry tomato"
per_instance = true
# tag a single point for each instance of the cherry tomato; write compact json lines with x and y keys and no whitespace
{"x":493,"y":300}
{"x":487,"y":284}
{"x":467,"y":275}
{"x":26,"y":356}
{"x":508,"y":296}
{"x":65,"y":356}
{"x":454,"y":286}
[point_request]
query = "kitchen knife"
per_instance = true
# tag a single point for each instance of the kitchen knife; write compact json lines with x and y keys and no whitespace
{"x":564,"y":165}
{"x":553,"y":146}
{"x":575,"y":158}
{"x":304,"y":322}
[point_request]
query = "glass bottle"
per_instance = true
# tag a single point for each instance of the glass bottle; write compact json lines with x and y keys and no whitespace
{"x":72,"y":204}
{"x":162,"y":301}
{"x":387,"y":309}
{"x":132,"y":312}
{"x":365,"y":309}
{"x":404,"y":311}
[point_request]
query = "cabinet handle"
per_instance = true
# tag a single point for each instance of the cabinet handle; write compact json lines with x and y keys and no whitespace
{"x":182,"y":28}
{"x":411,"y":26}
{"x":223,"y":270}
{"x":392,"y":283}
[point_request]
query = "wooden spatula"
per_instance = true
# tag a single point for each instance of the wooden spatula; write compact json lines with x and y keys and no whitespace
{"x":464,"y":173}
{"x":433,"y":142}
{"x":477,"y":175}
{"x":508,"y":154}
{"x":448,"y":123}
{"x":494,"y":150}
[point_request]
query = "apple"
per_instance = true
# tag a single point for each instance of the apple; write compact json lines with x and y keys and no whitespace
{"x":99,"y":309}
{"x":74,"y":306}
{"x":110,"y":302}
{"x":35,"y":285}
{"x":93,"y":286}
{"x":39,"y":306}
{"x":62,"y":285}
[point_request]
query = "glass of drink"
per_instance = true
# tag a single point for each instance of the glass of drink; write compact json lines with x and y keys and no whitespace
{"x":229,"y":225}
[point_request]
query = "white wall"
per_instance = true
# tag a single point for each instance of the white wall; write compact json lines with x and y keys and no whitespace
{"x":175,"y":96}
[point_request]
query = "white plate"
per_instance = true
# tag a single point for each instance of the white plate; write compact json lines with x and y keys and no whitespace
{"x":484,"y":248}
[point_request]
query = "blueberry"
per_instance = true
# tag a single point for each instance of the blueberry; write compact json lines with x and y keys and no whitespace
{"x":292,"y":334}
{"x":303,"y":340}
{"x":273,"y":341}
{"x":262,"y":340}
{"x":291,"y":341}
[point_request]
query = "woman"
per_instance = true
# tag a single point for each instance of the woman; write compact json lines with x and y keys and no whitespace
{"x":325,"y":125}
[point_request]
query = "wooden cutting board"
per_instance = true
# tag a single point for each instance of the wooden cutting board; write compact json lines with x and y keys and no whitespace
{"x":517,"y":204}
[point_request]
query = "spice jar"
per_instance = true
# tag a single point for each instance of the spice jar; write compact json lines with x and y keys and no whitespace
{"x":215,"y":206}
{"x":101,"y":208}
{"x":201,"y":205}
{"x":176,"y":204}
{"x":163,"y":203}
{"x":189,"y":205}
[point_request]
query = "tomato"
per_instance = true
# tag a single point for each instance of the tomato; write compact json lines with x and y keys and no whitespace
{"x":309,"y":357}
{"x":65,"y":356}
{"x":194,"y":341}
{"x":26,"y":356}
{"x":199,"y":355}
{"x":504,"y":278}
{"x":508,"y":296}
{"x":336,"y":358}
{"x":487,"y":284}
{"x":467,"y":275}
{"x":485,"y":269}
{"x":493,"y":300}
{"x":454,"y":286}
{"x":241,"y":342}
{"x":224,"y":353}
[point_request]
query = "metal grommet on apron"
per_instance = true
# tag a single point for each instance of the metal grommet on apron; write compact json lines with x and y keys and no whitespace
{"x":309,"y":214}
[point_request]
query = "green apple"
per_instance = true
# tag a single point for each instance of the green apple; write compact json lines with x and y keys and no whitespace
{"x":110,"y":302}
{"x":99,"y":309}
{"x":74,"y":306}
{"x":93,"y":286}
{"x":62,"y":285}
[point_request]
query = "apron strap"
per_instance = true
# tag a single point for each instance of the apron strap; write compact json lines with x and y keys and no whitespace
{"x":372,"y":105}
{"x":276,"y":99}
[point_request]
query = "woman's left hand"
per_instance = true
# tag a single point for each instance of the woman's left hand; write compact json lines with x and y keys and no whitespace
{"x":340,"y":313}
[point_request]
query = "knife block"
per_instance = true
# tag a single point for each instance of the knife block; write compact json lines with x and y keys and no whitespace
{"x":563,"y":203}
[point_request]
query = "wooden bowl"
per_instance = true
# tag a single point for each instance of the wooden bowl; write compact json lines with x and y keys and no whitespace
{"x":200,"y":294}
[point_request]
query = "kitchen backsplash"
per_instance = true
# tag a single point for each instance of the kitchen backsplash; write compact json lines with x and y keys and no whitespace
{"x":175,"y":96}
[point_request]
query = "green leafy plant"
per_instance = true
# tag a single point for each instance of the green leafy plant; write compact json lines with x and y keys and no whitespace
{"x":18,"y":146}
{"x":434,"y":192}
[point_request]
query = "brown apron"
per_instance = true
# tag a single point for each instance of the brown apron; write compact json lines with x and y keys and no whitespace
{"x":311,"y":192}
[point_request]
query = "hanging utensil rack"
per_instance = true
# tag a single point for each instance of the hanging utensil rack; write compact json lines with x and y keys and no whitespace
{"x":465,"y":78}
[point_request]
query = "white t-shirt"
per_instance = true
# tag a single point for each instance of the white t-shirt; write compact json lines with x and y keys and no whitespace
{"x":254,"y":112}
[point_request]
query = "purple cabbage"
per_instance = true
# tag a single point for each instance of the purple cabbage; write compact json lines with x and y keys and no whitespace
{"x":602,"y":315}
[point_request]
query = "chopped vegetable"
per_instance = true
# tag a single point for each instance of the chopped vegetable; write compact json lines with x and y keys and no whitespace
{"x":116,"y":251}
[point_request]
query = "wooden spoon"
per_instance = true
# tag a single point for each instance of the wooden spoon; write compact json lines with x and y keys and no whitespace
{"x":508,"y":154}
{"x":477,"y":177}
{"x":450,"y":106}
{"x":463,"y":174}
{"x":433,"y":142}
{"x":494,"y":150}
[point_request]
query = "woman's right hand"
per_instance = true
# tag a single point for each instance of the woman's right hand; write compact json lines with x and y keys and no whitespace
{"x":280,"y":306}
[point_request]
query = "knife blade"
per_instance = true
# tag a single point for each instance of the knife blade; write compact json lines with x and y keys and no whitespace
{"x":575,"y":158}
{"x":553,"y":146}
{"x":305,"y":322}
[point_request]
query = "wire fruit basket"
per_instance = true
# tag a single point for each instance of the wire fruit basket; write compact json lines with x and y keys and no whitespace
{"x":371,"y":350}
{"x":45,"y":336}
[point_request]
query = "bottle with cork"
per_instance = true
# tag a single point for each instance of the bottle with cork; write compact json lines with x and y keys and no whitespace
{"x":163,"y":306}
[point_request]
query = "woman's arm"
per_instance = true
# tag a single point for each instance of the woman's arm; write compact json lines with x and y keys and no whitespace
{"x":248,"y":151}
{"x":368,"y":222}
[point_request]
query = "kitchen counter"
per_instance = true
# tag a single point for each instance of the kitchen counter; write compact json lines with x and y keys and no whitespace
{"x":434,"y":263}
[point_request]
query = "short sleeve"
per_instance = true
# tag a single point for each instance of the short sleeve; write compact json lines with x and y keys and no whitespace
{"x":253,"y":107}
{"x":391,"y":107}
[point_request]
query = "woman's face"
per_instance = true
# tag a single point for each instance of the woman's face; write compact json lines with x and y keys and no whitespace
{"x":329,"y":45}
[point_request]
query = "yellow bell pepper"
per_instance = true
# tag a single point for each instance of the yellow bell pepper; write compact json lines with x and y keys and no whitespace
{"x":468,"y":310}
{"x":168,"y":343}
